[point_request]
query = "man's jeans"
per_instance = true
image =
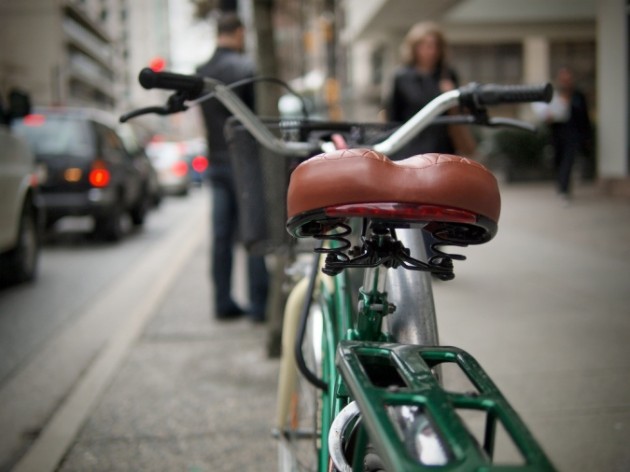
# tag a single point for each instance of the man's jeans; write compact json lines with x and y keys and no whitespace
{"x":224,"y":227}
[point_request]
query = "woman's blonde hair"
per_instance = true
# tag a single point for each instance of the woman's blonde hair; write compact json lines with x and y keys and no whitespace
{"x":416,"y":34}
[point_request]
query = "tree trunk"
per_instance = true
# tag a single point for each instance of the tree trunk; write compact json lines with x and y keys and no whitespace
{"x":273,"y":167}
{"x":266,"y":96}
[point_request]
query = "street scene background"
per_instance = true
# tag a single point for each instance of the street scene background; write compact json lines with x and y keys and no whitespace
{"x":111,"y":358}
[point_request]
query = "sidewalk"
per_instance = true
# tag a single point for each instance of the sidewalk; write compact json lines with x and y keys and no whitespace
{"x":193,"y":394}
{"x":544,"y":308}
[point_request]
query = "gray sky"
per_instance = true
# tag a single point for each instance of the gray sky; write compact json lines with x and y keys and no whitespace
{"x":192,"y":41}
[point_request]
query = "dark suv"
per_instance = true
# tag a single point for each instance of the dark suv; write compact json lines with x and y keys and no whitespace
{"x":88,"y":170}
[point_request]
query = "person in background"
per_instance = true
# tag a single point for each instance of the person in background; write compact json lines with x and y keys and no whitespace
{"x":228,"y":64}
{"x":424,"y":75}
{"x":570,"y":125}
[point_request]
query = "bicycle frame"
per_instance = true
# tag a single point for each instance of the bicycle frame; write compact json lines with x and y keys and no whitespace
{"x":348,"y":357}
{"x":380,"y":361}
{"x":413,"y":323}
{"x":370,"y":374}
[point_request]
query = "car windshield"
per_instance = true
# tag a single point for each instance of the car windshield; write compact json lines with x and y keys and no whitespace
{"x":55,"y":135}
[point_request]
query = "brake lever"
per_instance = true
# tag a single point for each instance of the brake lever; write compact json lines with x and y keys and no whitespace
{"x":158,"y":110}
{"x":174,"y":104}
{"x":484,"y":120}
{"x":512,"y":123}
{"x":457,"y":120}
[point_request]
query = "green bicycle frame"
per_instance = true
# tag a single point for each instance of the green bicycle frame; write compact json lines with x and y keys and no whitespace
{"x":337,"y":315}
{"x":353,"y":343}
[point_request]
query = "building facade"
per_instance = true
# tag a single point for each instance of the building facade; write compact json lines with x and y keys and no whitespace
{"x":81,"y":52}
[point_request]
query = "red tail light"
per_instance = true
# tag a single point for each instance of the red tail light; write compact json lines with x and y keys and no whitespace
{"x":180,"y":168}
{"x":402,"y":211}
{"x":200,"y":163}
{"x":34,"y":120}
{"x":99,"y":175}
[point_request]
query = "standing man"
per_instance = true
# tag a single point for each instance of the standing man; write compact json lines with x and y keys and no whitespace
{"x":228,"y":65}
{"x":568,"y":118}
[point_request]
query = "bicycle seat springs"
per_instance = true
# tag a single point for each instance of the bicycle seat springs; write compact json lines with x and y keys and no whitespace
{"x":380,"y":246}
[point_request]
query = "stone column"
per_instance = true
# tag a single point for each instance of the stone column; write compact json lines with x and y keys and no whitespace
{"x":536,"y":59}
{"x":612,"y":92}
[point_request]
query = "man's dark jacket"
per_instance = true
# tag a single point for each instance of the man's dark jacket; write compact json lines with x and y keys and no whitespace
{"x":227,"y":66}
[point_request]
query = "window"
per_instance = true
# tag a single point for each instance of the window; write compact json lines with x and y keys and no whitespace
{"x":497,"y":63}
{"x":109,"y":143}
{"x":377,"y":65}
{"x":55,"y":136}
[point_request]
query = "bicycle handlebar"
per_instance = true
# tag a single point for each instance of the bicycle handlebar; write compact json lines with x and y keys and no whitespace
{"x":192,"y":85}
{"x":473,"y":96}
{"x":403,"y":135}
{"x":476,"y":95}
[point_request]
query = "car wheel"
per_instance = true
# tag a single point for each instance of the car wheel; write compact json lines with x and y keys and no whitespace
{"x":139,"y":212}
{"x":20,"y":264}
{"x":49,"y":223}
{"x":110,"y":226}
{"x":157,"y":197}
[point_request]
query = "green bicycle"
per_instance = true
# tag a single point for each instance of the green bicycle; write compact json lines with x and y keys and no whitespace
{"x":365,"y":386}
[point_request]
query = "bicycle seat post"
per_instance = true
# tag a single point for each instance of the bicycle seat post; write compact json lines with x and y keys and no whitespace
{"x":413,"y":322}
{"x":378,"y":247}
{"x":373,"y":305}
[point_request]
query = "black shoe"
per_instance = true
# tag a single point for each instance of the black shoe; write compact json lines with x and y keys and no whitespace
{"x":233,"y":313}
{"x":257,"y":319}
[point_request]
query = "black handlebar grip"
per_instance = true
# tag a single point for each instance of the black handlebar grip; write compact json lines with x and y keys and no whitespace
{"x":191,"y":84}
{"x":492,"y":94}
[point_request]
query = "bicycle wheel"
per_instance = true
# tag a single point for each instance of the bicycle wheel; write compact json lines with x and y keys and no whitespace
{"x":298,"y":400}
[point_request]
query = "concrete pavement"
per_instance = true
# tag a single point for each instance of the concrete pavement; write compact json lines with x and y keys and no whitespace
{"x":193,"y":395}
{"x":544,"y":307}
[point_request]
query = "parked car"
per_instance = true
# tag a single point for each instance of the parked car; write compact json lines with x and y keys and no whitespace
{"x":89,"y":171}
{"x":20,"y":210}
{"x":169,"y":159}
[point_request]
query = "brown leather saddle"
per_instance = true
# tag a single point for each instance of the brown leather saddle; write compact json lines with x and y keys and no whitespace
{"x":455,"y":199}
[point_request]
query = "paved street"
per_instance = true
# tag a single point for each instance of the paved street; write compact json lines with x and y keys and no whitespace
{"x":544,"y":307}
{"x":54,"y":330}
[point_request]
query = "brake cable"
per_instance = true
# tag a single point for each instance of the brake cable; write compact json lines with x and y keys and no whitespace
{"x":309,"y":375}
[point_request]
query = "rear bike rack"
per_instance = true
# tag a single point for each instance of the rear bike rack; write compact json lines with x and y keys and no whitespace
{"x":384,"y":377}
